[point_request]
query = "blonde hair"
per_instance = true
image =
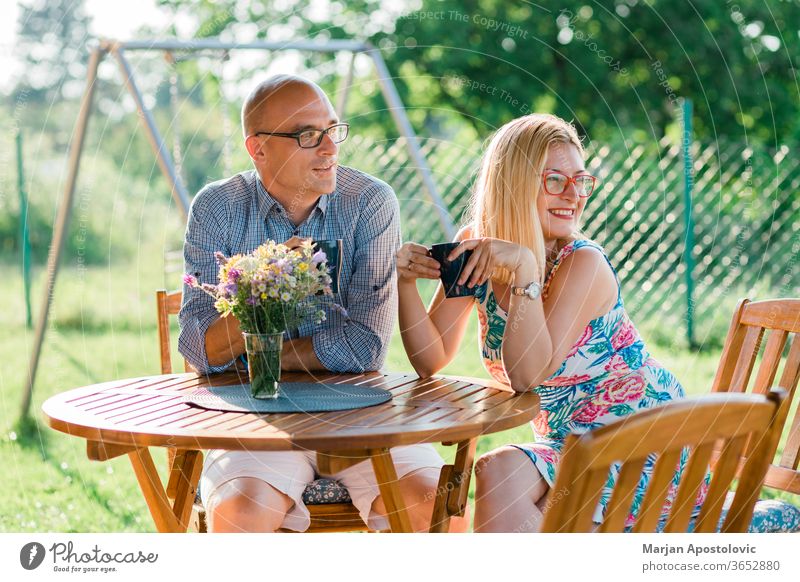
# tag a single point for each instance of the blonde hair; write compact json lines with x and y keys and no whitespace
{"x":503,"y":203}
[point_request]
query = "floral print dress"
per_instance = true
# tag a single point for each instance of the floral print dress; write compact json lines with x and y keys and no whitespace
{"x":608,"y":374}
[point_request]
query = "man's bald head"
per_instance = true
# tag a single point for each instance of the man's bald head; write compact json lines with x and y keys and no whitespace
{"x":256,"y":104}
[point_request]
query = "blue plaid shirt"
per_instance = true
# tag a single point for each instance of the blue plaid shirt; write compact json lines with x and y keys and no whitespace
{"x":238,"y":214}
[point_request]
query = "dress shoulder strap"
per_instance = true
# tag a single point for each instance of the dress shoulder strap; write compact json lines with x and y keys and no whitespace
{"x":570,"y":248}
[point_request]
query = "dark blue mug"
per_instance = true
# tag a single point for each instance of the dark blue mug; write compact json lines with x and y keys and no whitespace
{"x":451,"y":270}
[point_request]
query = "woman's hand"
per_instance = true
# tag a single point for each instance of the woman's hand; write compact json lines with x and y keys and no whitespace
{"x":414,"y":263}
{"x":489,"y":254}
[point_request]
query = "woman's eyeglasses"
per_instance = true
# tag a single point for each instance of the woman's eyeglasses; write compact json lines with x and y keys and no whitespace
{"x":311,"y":138}
{"x":555,"y":183}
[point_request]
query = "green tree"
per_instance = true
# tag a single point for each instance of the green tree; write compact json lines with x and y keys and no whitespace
{"x":51,"y":41}
{"x":609,"y":65}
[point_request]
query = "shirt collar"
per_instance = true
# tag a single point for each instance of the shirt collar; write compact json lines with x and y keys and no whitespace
{"x":266,"y":202}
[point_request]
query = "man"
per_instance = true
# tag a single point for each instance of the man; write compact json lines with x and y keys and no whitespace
{"x":297,"y":191}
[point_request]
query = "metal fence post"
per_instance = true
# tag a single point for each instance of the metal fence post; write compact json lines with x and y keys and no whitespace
{"x":688,"y":254}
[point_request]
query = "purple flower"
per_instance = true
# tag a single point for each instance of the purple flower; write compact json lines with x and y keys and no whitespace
{"x":231,"y":289}
{"x":190,"y":280}
{"x":284,"y":266}
{"x":251,"y":301}
{"x":233,"y":275}
{"x":340,"y":310}
{"x":319,"y":257}
{"x":221,"y":259}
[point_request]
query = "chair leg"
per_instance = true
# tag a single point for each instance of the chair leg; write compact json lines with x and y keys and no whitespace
{"x":451,"y":493}
{"x":197,"y":522}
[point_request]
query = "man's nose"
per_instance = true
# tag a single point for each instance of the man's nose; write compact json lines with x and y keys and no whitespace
{"x":327,"y":146}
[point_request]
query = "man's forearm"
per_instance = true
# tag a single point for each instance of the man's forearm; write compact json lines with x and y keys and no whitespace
{"x":224,"y":341}
{"x":298,"y":356}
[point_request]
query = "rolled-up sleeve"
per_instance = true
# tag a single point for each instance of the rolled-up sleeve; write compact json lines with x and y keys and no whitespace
{"x":204,"y":237}
{"x":360,"y":342}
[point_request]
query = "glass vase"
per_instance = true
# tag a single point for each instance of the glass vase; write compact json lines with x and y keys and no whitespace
{"x":264,"y":363}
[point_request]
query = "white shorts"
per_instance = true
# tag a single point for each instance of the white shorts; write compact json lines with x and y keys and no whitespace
{"x":291,"y":471}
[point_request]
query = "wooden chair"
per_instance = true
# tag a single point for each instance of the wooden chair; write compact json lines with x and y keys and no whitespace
{"x":697,"y":423}
{"x":167,"y":303}
{"x":325,"y":517}
{"x":779,"y":321}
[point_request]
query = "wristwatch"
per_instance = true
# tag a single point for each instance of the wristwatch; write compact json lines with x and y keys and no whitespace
{"x":531,"y":291}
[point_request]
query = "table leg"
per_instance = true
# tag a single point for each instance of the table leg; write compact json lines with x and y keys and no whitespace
{"x":168,"y":518}
{"x":451,"y":494}
{"x":386,"y":477}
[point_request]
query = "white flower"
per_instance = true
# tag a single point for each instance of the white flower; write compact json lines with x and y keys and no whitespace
{"x":246,"y":264}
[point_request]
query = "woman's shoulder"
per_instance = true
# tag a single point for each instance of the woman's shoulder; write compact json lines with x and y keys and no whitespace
{"x":588,"y":269}
{"x":583,"y":253}
{"x":580,"y":243}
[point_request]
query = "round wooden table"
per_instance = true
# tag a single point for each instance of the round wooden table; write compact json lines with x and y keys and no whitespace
{"x":129,"y":416}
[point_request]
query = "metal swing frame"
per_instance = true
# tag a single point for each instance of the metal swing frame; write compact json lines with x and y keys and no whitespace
{"x":117,"y":49}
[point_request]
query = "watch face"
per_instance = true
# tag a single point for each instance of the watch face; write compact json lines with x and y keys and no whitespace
{"x":533,"y":290}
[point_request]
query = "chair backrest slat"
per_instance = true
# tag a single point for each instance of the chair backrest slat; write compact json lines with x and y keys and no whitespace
{"x":167,"y":303}
{"x":791,"y":368}
{"x":619,"y":506}
{"x":730,"y":351}
{"x":747,"y":359}
{"x":594,"y":487}
{"x":768,"y":368}
{"x":791,"y":451}
{"x":695,"y":473}
{"x":663,"y":474}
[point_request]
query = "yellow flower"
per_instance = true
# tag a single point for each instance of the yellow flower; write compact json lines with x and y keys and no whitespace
{"x":302,"y":267}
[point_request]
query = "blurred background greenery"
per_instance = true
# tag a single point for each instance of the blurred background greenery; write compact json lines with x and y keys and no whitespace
{"x":616,"y":68}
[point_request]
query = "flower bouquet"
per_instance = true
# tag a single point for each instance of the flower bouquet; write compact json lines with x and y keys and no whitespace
{"x":269,"y":291}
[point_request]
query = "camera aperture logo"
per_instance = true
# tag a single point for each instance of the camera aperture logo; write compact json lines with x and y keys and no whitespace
{"x":67,"y":559}
{"x":31,"y":555}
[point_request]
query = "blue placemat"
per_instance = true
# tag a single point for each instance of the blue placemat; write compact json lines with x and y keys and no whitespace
{"x":294,"y":397}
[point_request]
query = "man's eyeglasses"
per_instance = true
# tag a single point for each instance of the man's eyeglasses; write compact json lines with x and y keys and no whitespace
{"x":311,"y":138}
{"x":555,"y":183}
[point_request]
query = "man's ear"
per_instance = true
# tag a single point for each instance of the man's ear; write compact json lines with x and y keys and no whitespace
{"x":255,"y":147}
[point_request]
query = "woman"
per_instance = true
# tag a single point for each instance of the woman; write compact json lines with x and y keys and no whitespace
{"x":551,"y":316}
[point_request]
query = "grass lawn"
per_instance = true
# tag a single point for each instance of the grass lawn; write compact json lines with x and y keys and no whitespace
{"x":102,"y":327}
